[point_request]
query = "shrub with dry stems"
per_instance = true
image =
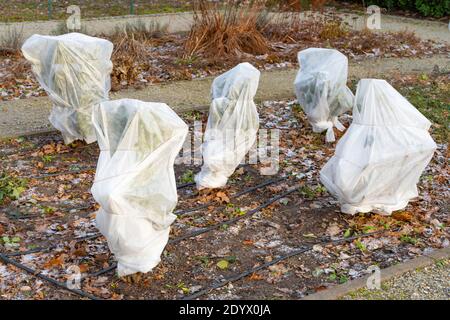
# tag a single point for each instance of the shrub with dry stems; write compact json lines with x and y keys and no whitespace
{"x":11,"y":41}
{"x":292,"y":27}
{"x":228,"y":29}
{"x":366,"y":40}
{"x":131,"y":55}
{"x":142,"y":31}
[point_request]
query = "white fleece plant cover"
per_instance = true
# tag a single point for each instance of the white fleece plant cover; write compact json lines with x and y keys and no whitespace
{"x":321,"y":88}
{"x":379,"y":160}
{"x":232,"y":126}
{"x":74,"y":69}
{"x":135,"y":181}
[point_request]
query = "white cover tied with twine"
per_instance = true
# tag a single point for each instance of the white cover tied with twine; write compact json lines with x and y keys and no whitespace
{"x":74,"y":69}
{"x":379,"y":160}
{"x":321,"y":88}
{"x":232,"y":126}
{"x":135,"y":181}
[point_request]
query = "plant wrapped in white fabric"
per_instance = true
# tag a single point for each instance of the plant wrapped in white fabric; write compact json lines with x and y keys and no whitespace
{"x":232,"y":126}
{"x":74,"y":69}
{"x":321,"y":88}
{"x":135,"y":181}
{"x":379,"y":160}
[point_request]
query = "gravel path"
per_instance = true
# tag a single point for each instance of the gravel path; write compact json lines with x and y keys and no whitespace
{"x":176,"y":22}
{"x":30,"y":115}
{"x":425,"y":29}
{"x":179,"y":22}
{"x":429,"y":283}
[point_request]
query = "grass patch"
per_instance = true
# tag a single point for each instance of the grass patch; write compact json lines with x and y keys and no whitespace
{"x":408,"y":239}
{"x":166,"y":9}
{"x":187,"y":177}
{"x":32,"y":10}
{"x":430,"y":94}
{"x":433,"y":101}
{"x":311,"y":193}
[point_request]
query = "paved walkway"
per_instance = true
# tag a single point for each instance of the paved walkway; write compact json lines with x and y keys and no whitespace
{"x":429,"y":283}
{"x":179,"y":22}
{"x":176,"y":22}
{"x":30,"y":115}
{"x":424,"y":277}
{"x":425,"y":29}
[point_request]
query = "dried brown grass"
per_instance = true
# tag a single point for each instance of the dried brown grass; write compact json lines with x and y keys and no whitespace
{"x":228,"y":29}
{"x":129,"y":57}
{"x":11,"y":41}
{"x":296,"y":5}
{"x":131,"y":53}
{"x":291,"y":27}
{"x":366,"y":40}
{"x":142,"y":31}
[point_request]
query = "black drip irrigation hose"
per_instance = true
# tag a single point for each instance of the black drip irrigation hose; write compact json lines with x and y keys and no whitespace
{"x":96,"y":235}
{"x":194,"y":234}
{"x":234,"y":196}
{"x":204,"y":291}
{"x":35,"y":273}
{"x":185,"y":185}
{"x":6,"y":259}
{"x":41,"y":249}
{"x":114,"y":266}
{"x":188,"y":184}
{"x":231,"y":221}
{"x":50,"y":175}
{"x":27,"y":151}
{"x":81,"y":293}
{"x":273,"y":262}
{"x":100,"y":272}
{"x":23,"y":216}
{"x":36,"y":149}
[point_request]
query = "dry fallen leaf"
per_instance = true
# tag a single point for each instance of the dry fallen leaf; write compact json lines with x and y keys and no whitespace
{"x":102,"y":257}
{"x":52,"y":170}
{"x":320,"y":288}
{"x":83,"y":267}
{"x":402,"y":216}
{"x":48,"y":148}
{"x":80,"y":252}
{"x":55,"y":262}
{"x":255,"y":277}
{"x":222,"y":197}
{"x":278,"y":269}
{"x":116,"y":296}
{"x":41,"y":227}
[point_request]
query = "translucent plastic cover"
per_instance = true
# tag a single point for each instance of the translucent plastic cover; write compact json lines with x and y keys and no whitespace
{"x":135,"y":181}
{"x":74,"y":69}
{"x":379,"y":160}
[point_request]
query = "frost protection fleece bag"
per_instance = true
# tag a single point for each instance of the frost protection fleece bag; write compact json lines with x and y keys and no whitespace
{"x":232,"y":126}
{"x":135,"y":181}
{"x":74,"y":69}
{"x":379,"y":160}
{"x":321,"y":88}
